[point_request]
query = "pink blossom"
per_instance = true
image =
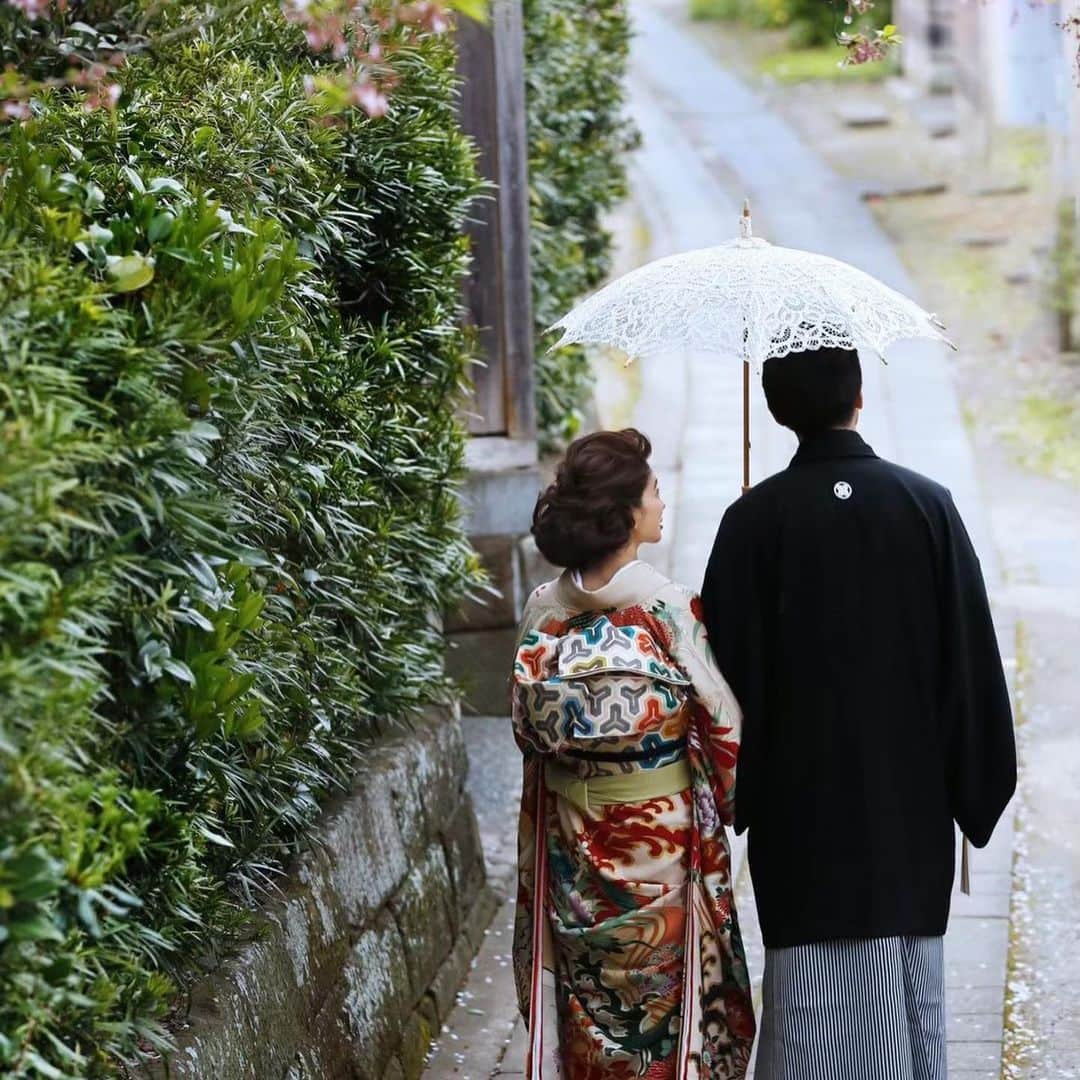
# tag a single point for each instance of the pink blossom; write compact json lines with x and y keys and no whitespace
{"x":370,"y":98}
{"x":15,"y":110}
{"x":427,"y":14}
{"x":32,"y":9}
{"x":104,"y":96}
{"x":863,"y":50}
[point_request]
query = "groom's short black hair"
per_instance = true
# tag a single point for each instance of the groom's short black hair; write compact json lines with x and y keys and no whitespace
{"x":813,"y":390}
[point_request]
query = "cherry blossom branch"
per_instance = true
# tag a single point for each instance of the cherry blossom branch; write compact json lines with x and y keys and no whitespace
{"x":358,"y":35}
{"x":863,"y":48}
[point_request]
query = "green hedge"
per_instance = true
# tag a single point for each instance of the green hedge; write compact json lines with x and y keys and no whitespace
{"x":809,"y":22}
{"x":229,"y":363}
{"x":575,"y":67}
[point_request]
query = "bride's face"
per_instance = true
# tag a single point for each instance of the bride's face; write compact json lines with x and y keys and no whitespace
{"x":649,"y":516}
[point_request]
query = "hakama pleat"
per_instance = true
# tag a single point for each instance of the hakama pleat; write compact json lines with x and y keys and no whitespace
{"x":861,"y":1009}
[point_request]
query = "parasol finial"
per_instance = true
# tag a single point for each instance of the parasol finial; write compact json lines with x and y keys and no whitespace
{"x":746,"y":230}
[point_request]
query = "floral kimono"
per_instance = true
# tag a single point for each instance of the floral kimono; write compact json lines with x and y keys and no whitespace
{"x":629,"y":903}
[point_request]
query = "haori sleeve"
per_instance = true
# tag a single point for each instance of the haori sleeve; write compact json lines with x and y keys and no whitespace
{"x":717,"y":711}
{"x":980,"y":746}
{"x":732,"y":615}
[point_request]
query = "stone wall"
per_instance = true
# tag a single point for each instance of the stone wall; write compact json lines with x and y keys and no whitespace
{"x":352,"y":971}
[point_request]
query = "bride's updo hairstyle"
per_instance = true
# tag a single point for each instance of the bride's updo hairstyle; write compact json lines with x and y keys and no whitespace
{"x":588,"y":513}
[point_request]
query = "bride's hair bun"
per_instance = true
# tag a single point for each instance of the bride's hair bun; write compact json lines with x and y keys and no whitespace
{"x":588,"y":512}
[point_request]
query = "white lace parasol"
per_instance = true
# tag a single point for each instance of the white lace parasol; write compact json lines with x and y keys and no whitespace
{"x":750,"y":300}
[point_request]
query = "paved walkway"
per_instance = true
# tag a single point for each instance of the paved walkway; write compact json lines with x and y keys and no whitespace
{"x":707,"y":142}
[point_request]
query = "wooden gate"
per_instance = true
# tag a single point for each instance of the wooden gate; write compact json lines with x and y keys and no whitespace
{"x":498,"y":293}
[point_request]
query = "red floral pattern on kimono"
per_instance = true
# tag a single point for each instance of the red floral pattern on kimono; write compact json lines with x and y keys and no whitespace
{"x":635,"y":913}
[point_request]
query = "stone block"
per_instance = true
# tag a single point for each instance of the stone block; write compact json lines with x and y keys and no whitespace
{"x":497,"y":606}
{"x":974,"y":1056}
{"x":500,"y":501}
{"x":314,"y":870}
{"x":862,"y":114}
{"x":534,"y":568}
{"x":480,"y":661}
{"x":975,"y":951}
{"x":973,"y":999}
{"x":314,"y":936}
{"x":376,"y":1004}
{"x":425,"y":774}
{"x":231,"y":1011}
{"x":329,"y":1050}
{"x":427,"y":1007}
{"x":421,"y":910}
{"x":415,"y":1042}
{"x":438,"y":762}
{"x":445,"y":985}
{"x":476,"y":922}
{"x":464,"y":857}
{"x":513,"y":1061}
{"x":902,"y":187}
{"x":367,"y":855}
{"x":975,"y":1027}
{"x":320,"y":1061}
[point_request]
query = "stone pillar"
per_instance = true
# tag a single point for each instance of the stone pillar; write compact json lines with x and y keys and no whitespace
{"x":1068,"y":165}
{"x":499,"y":499}
{"x":928,"y":51}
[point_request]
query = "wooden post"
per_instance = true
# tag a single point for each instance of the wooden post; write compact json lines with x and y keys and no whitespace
{"x":498,"y":294}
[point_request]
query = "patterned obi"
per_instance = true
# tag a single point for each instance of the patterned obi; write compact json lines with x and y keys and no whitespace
{"x":601,"y":699}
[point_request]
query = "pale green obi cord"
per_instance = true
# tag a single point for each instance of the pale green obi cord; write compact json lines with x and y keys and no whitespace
{"x":622,"y":788}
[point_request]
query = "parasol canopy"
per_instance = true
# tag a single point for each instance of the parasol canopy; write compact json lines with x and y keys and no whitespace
{"x":750,"y":300}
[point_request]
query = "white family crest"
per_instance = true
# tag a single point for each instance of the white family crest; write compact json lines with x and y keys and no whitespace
{"x":842,"y":489}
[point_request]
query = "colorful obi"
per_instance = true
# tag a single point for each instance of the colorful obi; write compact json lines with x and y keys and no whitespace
{"x":604,"y":699}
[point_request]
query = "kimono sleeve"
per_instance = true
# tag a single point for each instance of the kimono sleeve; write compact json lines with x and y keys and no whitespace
{"x":980,"y":747}
{"x":717,"y":709}
{"x":529,"y":821}
{"x":531,"y":617}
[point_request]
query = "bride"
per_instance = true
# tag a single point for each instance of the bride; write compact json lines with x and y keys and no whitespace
{"x":627,"y":953}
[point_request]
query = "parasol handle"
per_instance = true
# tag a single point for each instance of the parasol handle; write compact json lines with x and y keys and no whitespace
{"x":746,"y":426}
{"x":746,"y":231}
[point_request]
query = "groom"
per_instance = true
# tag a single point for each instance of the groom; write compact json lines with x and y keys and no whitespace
{"x":847,"y":610}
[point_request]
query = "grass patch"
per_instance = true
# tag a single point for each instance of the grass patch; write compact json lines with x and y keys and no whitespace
{"x":820,"y":63}
{"x":718,"y":10}
{"x":970,"y":277}
{"x":1047,"y":434}
{"x":1020,"y":1042}
{"x":1024,"y":152}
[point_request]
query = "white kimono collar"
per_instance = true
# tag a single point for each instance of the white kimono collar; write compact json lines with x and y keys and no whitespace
{"x":631,"y":584}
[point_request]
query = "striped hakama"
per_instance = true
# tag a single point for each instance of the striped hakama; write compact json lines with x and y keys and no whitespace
{"x":858,"y":1009}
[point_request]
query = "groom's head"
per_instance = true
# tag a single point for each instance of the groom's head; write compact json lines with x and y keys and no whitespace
{"x":814,"y":390}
